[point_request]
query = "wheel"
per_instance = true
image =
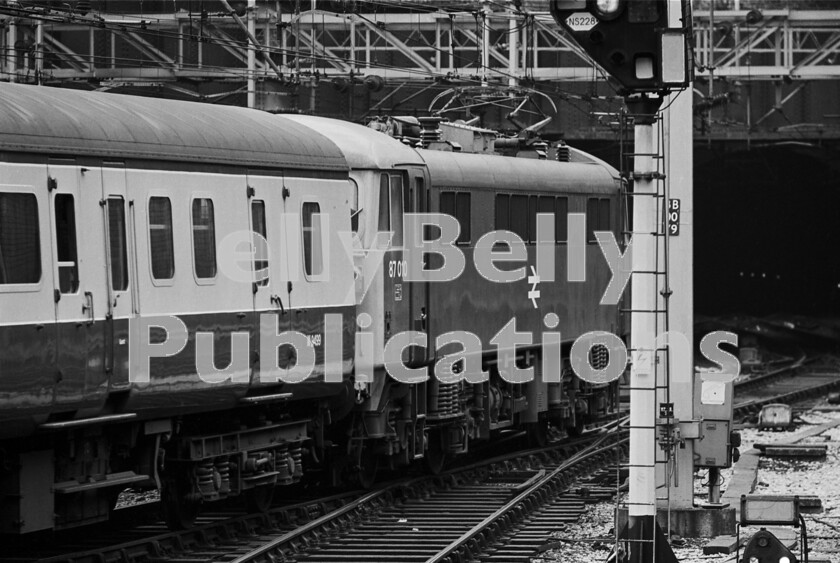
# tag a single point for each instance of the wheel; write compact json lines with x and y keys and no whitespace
{"x":436,"y":456}
{"x":179,"y":511}
{"x":538,"y":433}
{"x":259,"y":498}
{"x":577,"y":428}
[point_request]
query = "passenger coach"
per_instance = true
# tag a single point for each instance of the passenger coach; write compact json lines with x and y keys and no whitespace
{"x":117,"y":208}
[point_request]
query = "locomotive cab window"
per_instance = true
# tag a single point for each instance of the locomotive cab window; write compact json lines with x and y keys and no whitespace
{"x":597,"y":217}
{"x":65,"y":240}
{"x":384,"y":204}
{"x":20,"y":244}
{"x":116,"y":243}
{"x":204,"y":238}
{"x":312,"y":250}
{"x":457,"y":204}
{"x":161,"y":248}
{"x":391,"y":193}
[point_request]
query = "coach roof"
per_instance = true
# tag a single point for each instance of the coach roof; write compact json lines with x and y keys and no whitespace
{"x":363,"y":147}
{"x":69,"y":122}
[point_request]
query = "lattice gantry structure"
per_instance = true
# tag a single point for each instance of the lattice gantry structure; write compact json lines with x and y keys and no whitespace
{"x":265,"y":53}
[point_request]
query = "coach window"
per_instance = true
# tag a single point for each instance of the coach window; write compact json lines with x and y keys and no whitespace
{"x":561,"y":219}
{"x":20,"y":245}
{"x":312,"y":250}
{"x":160,"y":238}
{"x":204,"y":238}
{"x":65,"y":240}
{"x":260,"y":246}
{"x":116,"y":243}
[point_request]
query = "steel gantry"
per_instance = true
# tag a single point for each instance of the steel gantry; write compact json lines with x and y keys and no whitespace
{"x":387,"y":45}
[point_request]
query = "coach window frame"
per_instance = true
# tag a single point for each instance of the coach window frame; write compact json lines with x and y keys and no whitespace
{"x":36,"y":285}
{"x":312,"y":276}
{"x":117,"y":250}
{"x":71,"y":230}
{"x":169,"y":281}
{"x":211,"y":228}
{"x":260,"y":262}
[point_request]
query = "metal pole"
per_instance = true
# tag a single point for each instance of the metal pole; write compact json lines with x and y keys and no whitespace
{"x":643,"y":316}
{"x":513,"y":48}
{"x":252,"y":29}
{"x":485,"y":43}
{"x":39,"y":52}
{"x":11,"y":39}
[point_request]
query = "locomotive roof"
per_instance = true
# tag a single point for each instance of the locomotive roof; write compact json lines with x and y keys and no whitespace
{"x":363,"y":147}
{"x":453,"y":170}
{"x":69,"y":122}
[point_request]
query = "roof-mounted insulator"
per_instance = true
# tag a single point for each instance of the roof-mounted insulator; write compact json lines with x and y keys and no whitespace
{"x":541,"y":148}
{"x":430,"y":130}
{"x":564,"y":153}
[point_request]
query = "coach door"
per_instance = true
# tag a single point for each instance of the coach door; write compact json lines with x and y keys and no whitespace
{"x":270,"y":285}
{"x":119,"y":273}
{"x":79,"y":286}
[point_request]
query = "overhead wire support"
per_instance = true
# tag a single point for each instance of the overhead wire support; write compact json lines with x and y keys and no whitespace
{"x":251,"y":37}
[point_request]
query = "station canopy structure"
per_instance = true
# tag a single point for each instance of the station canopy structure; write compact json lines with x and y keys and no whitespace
{"x":357,"y":58}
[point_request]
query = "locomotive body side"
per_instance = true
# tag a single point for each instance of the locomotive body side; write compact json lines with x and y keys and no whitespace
{"x":490,"y":193}
{"x":114,"y":212}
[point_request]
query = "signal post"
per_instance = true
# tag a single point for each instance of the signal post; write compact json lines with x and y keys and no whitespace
{"x":642,"y":44}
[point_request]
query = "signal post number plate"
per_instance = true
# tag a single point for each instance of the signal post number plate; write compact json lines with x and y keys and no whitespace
{"x":674,"y":217}
{"x":581,"y":21}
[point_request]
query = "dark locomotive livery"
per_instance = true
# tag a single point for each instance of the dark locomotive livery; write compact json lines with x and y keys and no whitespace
{"x":119,"y":218}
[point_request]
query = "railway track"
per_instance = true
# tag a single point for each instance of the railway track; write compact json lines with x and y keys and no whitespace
{"x":804,"y":379}
{"x":214,"y":534}
{"x":436,"y":510}
{"x":499,"y":512}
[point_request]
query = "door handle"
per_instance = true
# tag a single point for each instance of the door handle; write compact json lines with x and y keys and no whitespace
{"x":88,"y":307}
{"x":275,"y":299}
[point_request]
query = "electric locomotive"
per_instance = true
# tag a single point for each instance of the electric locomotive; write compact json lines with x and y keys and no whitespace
{"x":438,"y":417}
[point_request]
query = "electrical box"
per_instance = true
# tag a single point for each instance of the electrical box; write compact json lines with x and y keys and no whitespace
{"x":713,"y":408}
